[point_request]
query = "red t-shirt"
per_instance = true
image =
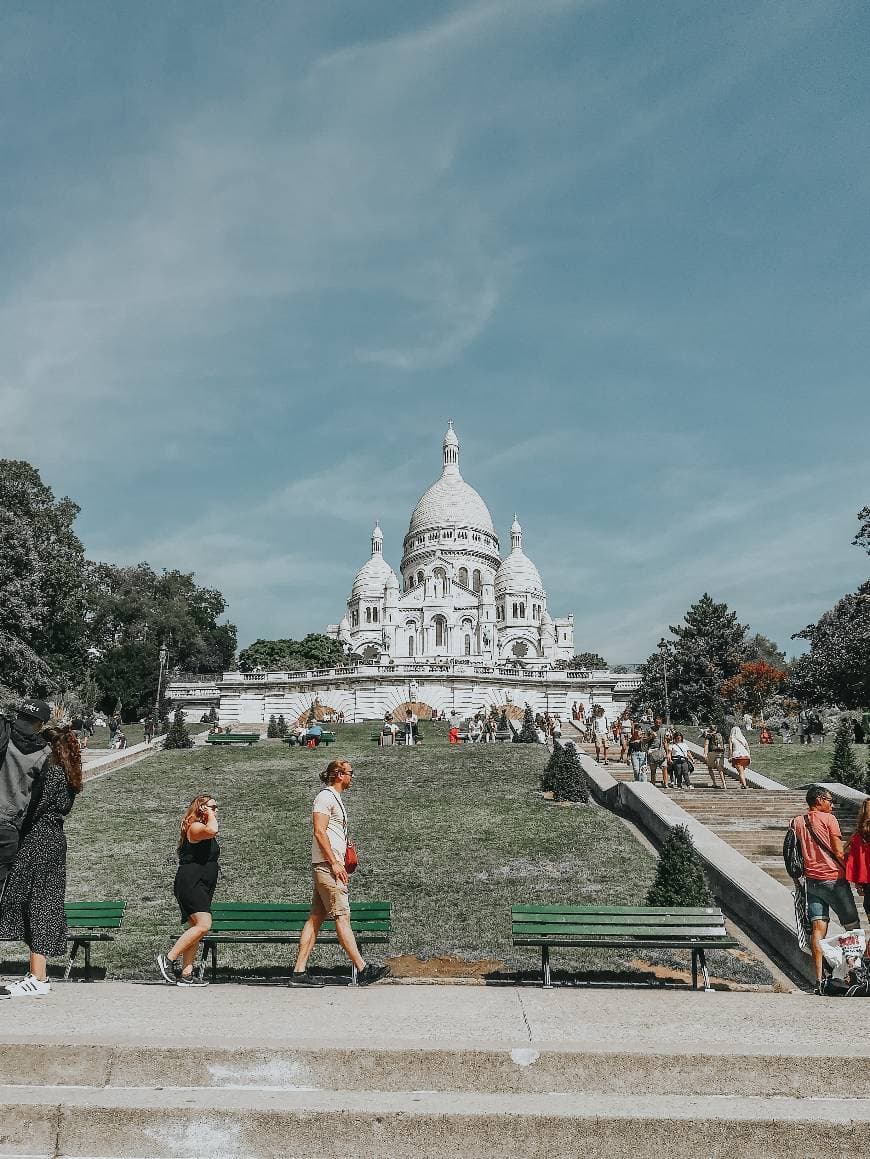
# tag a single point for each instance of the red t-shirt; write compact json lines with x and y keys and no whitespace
{"x":858,"y":860}
{"x":820,"y":866}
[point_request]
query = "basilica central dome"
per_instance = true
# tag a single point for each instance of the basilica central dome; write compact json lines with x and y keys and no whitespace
{"x":450,"y":501}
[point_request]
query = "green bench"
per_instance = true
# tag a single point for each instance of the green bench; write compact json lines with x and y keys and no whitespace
{"x":89,"y":922}
{"x":232,"y":738}
{"x":326,"y":737}
{"x":234,"y":923}
{"x":618,"y":927}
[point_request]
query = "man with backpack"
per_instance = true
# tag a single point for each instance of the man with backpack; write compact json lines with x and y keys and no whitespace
{"x":22,"y":755}
{"x":813,"y":850}
{"x":714,"y":754}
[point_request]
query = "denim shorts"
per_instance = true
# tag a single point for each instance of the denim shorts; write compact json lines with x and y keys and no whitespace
{"x":823,"y":896}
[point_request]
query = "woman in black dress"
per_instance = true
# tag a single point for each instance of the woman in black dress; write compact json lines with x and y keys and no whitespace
{"x":32,"y":906}
{"x":195,"y":881}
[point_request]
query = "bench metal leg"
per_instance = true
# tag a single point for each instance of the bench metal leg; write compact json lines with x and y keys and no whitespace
{"x":545,"y":966}
{"x":354,"y":974}
{"x":214,"y":961}
{"x":203,"y":954}
{"x":74,"y":949}
{"x":694,"y":969}
{"x":703,"y":958}
{"x":87,"y":961}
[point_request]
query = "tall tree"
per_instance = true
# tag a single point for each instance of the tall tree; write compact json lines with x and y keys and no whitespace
{"x":762,"y":648}
{"x":313,"y":651}
{"x":836,"y":669}
{"x":707,"y":650}
{"x":591,"y":661}
{"x":43,"y":644}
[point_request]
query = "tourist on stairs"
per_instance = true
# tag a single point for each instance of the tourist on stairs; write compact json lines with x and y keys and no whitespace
{"x":858,"y":857}
{"x":195,"y":881}
{"x":679,"y":762}
{"x":738,"y":753}
{"x":32,"y":908}
{"x":714,"y":754}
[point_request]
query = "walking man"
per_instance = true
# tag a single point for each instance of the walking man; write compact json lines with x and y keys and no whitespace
{"x":821,"y":842}
{"x":600,"y":732}
{"x":330,"y":898}
{"x":714,"y":754}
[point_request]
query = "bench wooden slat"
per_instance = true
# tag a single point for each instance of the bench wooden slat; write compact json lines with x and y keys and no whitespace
{"x":617,"y":921}
{"x":557,"y":933}
{"x":707,"y":911}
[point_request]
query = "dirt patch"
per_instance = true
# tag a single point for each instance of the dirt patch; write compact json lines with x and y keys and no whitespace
{"x":410,"y":966}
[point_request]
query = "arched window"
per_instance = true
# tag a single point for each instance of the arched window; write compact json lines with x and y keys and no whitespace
{"x":439,"y":575}
{"x":475,"y":584}
{"x":463,"y":576}
{"x":374,"y":615}
{"x":419,"y":577}
{"x":516,"y":610}
{"x":522,"y":611}
{"x":440,"y":625}
{"x":410,"y":643}
{"x":368,"y":615}
{"x":467,"y":645}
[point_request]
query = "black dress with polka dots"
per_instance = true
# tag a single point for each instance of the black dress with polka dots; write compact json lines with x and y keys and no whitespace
{"x":32,"y":908}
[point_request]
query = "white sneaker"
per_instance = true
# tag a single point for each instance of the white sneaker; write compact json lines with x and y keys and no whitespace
{"x":28,"y":987}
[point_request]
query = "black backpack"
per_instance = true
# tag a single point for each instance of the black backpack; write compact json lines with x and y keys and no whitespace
{"x":793,"y":855}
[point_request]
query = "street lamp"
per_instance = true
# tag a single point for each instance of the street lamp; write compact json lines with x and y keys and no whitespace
{"x":162,"y":656}
{"x":663,"y":648}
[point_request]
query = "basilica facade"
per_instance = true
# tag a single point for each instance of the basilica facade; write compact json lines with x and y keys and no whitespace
{"x":454,"y":596}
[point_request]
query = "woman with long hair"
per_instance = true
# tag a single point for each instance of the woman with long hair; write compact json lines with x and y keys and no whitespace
{"x":195,"y":881}
{"x":738,"y":753}
{"x":32,"y":906}
{"x":858,"y":855}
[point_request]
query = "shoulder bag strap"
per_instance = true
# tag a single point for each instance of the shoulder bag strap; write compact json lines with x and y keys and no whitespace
{"x":820,"y":842}
{"x":343,"y":810}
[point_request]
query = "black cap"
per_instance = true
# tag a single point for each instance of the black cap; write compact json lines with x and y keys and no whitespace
{"x":35,"y":710}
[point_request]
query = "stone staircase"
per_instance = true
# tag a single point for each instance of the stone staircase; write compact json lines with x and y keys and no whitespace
{"x":129,"y":1103}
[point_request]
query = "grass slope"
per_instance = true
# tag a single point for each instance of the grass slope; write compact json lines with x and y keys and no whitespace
{"x":451,"y":835}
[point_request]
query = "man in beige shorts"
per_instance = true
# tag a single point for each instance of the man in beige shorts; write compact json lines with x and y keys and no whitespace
{"x":330,"y":897}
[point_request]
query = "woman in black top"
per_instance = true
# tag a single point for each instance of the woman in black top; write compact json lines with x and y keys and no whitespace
{"x":32,"y":907}
{"x":195,"y":881}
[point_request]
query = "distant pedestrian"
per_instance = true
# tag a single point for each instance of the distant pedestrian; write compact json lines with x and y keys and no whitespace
{"x":626,"y":727}
{"x":32,"y":906}
{"x":148,"y":730}
{"x":786,"y":730}
{"x":636,"y":750}
{"x":410,"y":727}
{"x":714,"y":755}
{"x":195,"y":881}
{"x":329,"y":855}
{"x":738,"y":753}
{"x":747,"y":721}
{"x":600,"y":733}
{"x":680,"y":762}
{"x":656,"y":741}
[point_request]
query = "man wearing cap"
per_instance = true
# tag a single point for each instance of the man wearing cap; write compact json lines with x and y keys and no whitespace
{"x":22,"y":755}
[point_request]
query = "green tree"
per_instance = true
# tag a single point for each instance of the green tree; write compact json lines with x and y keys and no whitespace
{"x":707,"y":650}
{"x":313,"y":651}
{"x":282,"y":726}
{"x":564,"y":775}
{"x":836,"y":669}
{"x":178,"y":737}
{"x":43,"y":646}
{"x":844,"y":763}
{"x":590,"y":661}
{"x":528,"y":733}
{"x":680,"y":879}
{"x":761,"y":648}
{"x":272,"y":728}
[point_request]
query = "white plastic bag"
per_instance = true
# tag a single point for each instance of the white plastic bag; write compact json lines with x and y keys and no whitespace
{"x":845,"y":952}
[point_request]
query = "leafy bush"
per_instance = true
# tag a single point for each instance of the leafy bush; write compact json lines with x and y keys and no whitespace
{"x":282,"y":725}
{"x":680,"y":879}
{"x":272,"y":727}
{"x":564,"y":775}
{"x":844,"y":763}
{"x":178,"y":737}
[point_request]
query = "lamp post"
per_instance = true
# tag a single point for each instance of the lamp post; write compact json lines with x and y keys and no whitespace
{"x":663,"y":648}
{"x":162,"y":656}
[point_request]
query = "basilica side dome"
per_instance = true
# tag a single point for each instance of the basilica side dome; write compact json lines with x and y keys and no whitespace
{"x":517,"y":573}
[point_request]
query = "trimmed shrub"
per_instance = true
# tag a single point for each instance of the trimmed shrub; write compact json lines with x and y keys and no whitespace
{"x":569,"y":780}
{"x":272,"y":727}
{"x":177,"y":736}
{"x":282,"y":725}
{"x":503,"y":725}
{"x":680,"y":879}
{"x":213,"y":717}
{"x":844,"y":763}
{"x":527,"y":734}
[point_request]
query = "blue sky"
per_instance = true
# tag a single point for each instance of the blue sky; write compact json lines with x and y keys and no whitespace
{"x":255,"y":255}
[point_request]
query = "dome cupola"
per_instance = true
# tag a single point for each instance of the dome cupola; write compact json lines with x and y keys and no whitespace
{"x":450,"y":501}
{"x":373,"y":576}
{"x":517,"y":573}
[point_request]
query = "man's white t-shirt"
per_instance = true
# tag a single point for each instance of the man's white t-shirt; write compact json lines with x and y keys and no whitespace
{"x":600,"y":726}
{"x":327,"y":801}
{"x":626,"y":726}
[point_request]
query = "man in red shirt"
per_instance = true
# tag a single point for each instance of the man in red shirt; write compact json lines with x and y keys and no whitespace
{"x":821,"y":842}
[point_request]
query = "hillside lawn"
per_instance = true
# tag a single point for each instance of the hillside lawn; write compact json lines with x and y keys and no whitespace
{"x":135,"y":734}
{"x":451,"y":835}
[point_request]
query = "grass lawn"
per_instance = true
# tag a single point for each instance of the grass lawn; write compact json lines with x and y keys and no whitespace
{"x":134,"y":733}
{"x":451,"y":835}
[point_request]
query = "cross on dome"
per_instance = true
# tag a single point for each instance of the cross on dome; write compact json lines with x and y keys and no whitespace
{"x":377,"y":540}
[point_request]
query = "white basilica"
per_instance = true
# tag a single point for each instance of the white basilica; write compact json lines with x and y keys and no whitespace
{"x":457,"y":597}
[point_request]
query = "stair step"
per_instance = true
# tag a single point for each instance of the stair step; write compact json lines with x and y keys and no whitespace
{"x":276,"y":1124}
